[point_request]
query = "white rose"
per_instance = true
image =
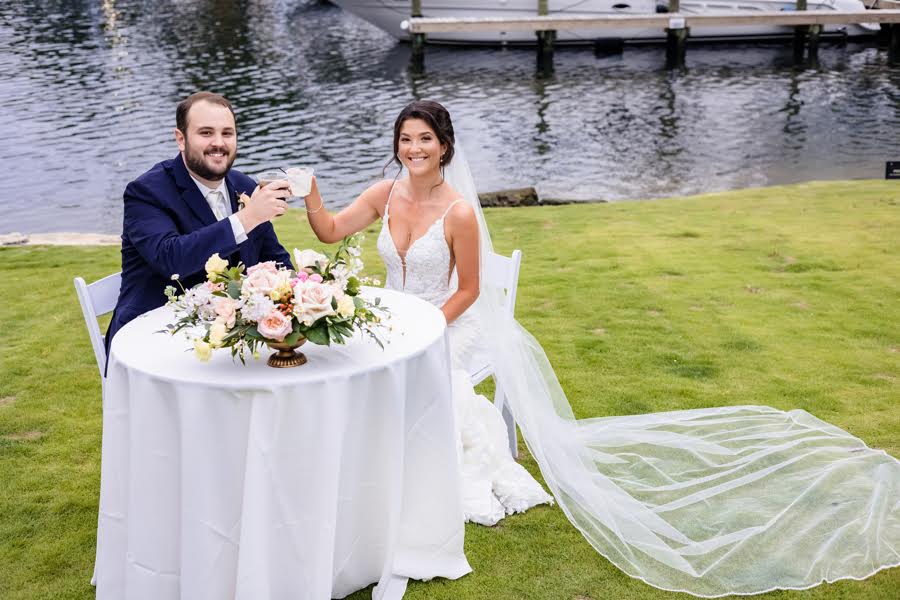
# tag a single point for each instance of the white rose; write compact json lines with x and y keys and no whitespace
{"x":303,"y":259}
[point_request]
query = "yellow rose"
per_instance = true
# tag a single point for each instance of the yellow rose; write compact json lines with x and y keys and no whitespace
{"x":202,"y":350}
{"x":217,"y":333}
{"x":345,"y":306}
{"x":215,"y":265}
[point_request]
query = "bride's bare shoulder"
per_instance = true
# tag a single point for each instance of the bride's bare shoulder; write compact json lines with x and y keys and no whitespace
{"x":377,"y":194}
{"x":461,"y":215}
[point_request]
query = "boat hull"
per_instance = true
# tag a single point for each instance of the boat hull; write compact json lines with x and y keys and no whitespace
{"x":389,"y":14}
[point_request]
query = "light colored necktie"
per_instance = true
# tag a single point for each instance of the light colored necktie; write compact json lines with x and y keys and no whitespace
{"x":216,"y":202}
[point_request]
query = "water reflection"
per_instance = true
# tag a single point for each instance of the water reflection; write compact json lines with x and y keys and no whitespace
{"x":89,"y":88}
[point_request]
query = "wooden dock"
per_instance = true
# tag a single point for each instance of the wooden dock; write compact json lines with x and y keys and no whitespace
{"x":653,"y":21}
{"x":673,"y":25}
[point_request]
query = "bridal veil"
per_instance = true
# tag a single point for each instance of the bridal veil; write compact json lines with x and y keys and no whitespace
{"x":716,"y":501}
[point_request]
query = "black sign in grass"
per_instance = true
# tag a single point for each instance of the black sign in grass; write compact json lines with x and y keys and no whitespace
{"x":892,"y":169}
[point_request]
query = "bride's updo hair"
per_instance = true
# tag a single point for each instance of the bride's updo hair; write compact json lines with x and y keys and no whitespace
{"x":437,"y":118}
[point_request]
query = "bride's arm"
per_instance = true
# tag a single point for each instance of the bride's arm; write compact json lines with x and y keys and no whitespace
{"x":463,"y":229}
{"x":360,"y":214}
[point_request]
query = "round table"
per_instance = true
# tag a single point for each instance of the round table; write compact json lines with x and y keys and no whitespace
{"x":228,"y":481}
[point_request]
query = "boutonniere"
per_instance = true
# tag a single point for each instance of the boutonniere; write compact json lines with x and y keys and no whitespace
{"x":243,"y":199}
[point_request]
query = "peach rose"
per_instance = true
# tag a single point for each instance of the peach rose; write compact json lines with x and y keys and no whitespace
{"x":274,"y":326}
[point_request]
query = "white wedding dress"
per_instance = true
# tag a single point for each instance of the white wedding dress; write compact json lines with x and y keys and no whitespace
{"x":493,"y":484}
{"x":711,"y":501}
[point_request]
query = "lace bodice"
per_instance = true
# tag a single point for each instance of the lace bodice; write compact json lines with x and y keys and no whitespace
{"x":426,"y":271}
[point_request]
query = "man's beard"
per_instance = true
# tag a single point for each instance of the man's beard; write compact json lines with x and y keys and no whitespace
{"x":194,"y":161}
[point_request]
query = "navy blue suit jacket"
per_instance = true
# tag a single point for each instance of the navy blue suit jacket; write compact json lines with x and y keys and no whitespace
{"x":169,"y":228}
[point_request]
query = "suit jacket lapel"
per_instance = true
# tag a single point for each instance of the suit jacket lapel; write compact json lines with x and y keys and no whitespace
{"x":190,"y":193}
{"x":232,"y":193}
{"x":243,"y":248}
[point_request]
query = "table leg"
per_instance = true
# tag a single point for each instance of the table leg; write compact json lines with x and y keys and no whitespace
{"x":394,"y":590}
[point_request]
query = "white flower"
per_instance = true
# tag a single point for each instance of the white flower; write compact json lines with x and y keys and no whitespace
{"x":354,"y":251}
{"x":346,"y":307}
{"x":256,"y":307}
{"x":356,"y":266}
{"x":199,"y":299}
{"x":175,"y":276}
{"x":341,"y":276}
{"x":304,"y":259}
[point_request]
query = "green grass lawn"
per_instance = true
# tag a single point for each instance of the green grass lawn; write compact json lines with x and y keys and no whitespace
{"x":786,"y":296}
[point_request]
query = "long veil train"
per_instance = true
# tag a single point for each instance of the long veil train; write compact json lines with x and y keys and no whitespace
{"x":718,"y":501}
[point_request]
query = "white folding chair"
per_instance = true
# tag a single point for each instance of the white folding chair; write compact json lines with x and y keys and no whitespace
{"x":501,"y":271}
{"x":96,"y":300}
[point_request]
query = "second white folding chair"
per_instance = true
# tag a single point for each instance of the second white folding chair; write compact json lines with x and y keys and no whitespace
{"x":501,"y":271}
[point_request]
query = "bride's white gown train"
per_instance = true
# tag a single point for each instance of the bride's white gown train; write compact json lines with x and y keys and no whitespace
{"x":493,"y":484}
{"x":712,"y":501}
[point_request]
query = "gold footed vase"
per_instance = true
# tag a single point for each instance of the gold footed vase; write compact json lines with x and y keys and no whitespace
{"x":286,"y":355}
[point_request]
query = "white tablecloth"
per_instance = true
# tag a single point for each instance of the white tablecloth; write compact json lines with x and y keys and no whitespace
{"x":224,"y":481}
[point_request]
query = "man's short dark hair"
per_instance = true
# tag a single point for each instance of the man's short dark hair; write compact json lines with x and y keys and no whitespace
{"x":181,"y":113}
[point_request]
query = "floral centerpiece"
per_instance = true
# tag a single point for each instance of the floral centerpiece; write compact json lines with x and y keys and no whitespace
{"x":276,"y":306}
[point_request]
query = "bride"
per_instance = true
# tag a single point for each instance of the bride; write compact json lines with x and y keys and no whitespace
{"x":429,"y":244}
{"x":714,"y":501}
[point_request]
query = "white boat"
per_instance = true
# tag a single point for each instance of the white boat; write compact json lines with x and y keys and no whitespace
{"x":389,"y":14}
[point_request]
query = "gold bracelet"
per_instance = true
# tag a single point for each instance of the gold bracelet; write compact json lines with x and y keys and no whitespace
{"x":312,"y":212}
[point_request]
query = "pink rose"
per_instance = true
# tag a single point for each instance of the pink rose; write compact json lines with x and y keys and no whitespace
{"x":312,"y":301}
{"x":274,"y":326}
{"x":301,"y":277}
{"x":315,"y":277}
{"x":260,"y":281}
{"x":269,"y":266}
{"x":226,"y":309}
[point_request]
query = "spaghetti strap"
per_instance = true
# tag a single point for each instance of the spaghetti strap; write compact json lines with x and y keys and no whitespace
{"x":446,"y":212}
{"x":388,"y":203}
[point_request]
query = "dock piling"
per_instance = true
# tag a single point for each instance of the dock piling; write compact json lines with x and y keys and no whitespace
{"x":417,"y":39}
{"x":813,"y":42}
{"x":894,"y":45}
{"x":676,"y":38}
{"x":800,"y":32}
{"x":545,"y":41}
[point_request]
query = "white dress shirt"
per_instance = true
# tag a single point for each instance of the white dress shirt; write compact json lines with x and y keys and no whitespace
{"x":218,"y":201}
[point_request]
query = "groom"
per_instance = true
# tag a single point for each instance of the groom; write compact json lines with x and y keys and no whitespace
{"x":184,"y":210}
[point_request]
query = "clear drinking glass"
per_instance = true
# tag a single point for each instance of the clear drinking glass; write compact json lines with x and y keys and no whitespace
{"x":300,"y":179}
